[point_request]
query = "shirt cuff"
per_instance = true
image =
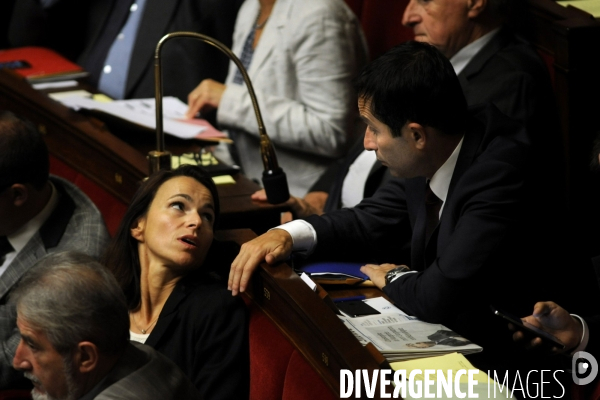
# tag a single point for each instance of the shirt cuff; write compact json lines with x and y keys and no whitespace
{"x":303,"y":235}
{"x":401,"y":274}
{"x":585,"y":336}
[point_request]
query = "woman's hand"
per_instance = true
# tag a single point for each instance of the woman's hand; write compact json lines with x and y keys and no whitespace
{"x":205,"y":97}
{"x":272,"y":246}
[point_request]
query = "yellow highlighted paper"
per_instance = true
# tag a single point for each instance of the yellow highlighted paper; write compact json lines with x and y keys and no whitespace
{"x":452,"y":361}
{"x":589,"y":6}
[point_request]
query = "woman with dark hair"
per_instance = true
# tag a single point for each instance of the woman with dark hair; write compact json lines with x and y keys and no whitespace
{"x":163,"y":256}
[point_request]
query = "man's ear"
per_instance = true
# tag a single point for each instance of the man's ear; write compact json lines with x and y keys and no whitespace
{"x":19,"y":194}
{"x":86,"y":357}
{"x":137,"y":229}
{"x":418,"y":134}
{"x":475,"y":7}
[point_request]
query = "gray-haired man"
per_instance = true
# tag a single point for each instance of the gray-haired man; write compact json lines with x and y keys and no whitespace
{"x":74,"y":328}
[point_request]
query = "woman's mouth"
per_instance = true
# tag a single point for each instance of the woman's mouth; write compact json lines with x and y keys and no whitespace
{"x":189,"y":240}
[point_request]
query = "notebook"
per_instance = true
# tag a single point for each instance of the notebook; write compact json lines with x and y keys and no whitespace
{"x":42,"y":64}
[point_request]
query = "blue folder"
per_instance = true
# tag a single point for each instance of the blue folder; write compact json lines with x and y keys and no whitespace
{"x":332,"y":269}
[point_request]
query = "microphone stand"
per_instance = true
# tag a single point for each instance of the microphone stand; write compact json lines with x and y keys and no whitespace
{"x":274,"y":178}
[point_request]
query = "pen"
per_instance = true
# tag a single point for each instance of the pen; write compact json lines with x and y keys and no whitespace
{"x":340,"y":299}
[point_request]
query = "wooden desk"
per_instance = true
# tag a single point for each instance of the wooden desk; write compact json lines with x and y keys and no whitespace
{"x":306,"y":320}
{"x":116,"y":161}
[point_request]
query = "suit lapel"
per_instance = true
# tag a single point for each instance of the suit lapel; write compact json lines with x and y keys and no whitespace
{"x":55,"y":226}
{"x":168,"y":313}
{"x":417,"y":190}
{"x":424,"y":251}
{"x":33,"y":251}
{"x":156,"y":19}
{"x":100,"y":10}
{"x":47,"y":237}
{"x":471,"y":148}
{"x":484,"y":55}
{"x":268,"y":39}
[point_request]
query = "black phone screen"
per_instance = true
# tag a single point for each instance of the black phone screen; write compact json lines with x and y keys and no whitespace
{"x":529,"y":330}
{"x":356,"y":308}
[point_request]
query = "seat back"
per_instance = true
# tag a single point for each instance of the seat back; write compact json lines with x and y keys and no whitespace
{"x":112,"y":209}
{"x":277,"y":370}
{"x":381,"y":21}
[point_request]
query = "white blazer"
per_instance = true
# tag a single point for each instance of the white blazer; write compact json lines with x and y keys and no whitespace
{"x":302,"y":71}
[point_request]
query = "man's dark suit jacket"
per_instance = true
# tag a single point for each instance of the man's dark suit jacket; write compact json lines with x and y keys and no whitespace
{"x":75,"y":224}
{"x":485,"y":252}
{"x":593,"y":320}
{"x":73,"y":27}
{"x":143,"y":373}
{"x":506,"y":72}
{"x":204,"y":330}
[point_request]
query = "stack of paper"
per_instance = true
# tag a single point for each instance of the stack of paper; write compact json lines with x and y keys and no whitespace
{"x":399,"y":336}
{"x":142,"y":112}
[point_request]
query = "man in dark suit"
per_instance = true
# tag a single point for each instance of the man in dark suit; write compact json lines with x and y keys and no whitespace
{"x":85,"y":32}
{"x":39,"y":214}
{"x":493,"y":64}
{"x":74,"y":328}
{"x":477,"y":165}
{"x":576,"y":333}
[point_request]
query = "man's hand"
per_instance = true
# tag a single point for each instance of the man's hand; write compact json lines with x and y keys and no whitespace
{"x":272,"y":246}
{"x":555,"y":320}
{"x":261,"y":197}
{"x":300,"y":208}
{"x":377,"y":273}
{"x":205,"y":97}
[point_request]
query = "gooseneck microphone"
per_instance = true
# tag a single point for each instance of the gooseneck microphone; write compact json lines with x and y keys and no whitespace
{"x":274,"y":178}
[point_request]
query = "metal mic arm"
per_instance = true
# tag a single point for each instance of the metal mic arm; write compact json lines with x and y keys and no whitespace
{"x":274,"y":179}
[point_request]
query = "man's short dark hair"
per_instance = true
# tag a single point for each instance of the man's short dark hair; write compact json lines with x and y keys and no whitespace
{"x":23,"y":153}
{"x":414,"y":82}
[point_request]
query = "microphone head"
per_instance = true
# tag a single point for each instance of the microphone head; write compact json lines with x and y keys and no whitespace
{"x":276,"y":186}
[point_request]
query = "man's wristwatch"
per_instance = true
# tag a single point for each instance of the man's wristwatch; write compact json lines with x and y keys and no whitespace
{"x":393,"y":273}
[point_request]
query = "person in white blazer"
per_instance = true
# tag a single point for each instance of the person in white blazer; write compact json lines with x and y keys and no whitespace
{"x":305,"y":56}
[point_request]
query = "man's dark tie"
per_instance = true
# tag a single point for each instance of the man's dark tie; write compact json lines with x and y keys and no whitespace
{"x":5,"y":248}
{"x":433,"y":205}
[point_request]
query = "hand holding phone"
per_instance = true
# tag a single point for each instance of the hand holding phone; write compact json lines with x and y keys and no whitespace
{"x":529,"y":331}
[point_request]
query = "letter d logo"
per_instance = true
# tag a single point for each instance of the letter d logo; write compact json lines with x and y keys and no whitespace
{"x":584,"y":368}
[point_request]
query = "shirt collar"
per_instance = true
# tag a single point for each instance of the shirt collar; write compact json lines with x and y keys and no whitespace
{"x":19,"y":239}
{"x":460,"y":60}
{"x":440,"y":181}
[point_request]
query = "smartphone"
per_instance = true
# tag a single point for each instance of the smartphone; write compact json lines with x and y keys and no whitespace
{"x":14,"y":64}
{"x":356,"y":308}
{"x":530,"y":331}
